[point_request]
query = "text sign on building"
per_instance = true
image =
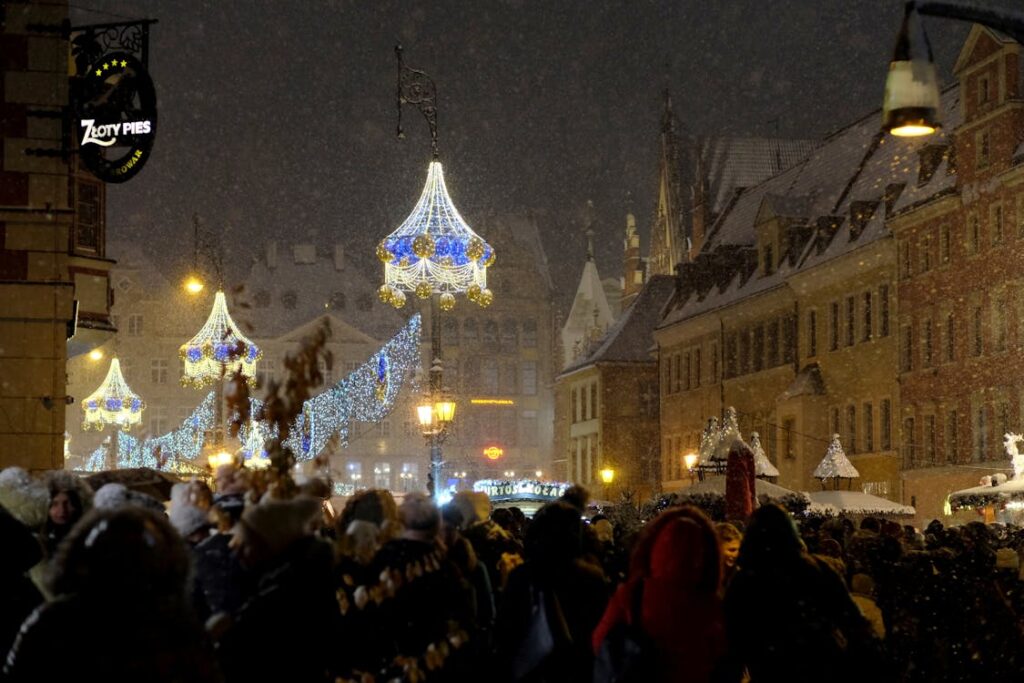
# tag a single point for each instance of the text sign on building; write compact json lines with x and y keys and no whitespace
{"x":499,"y":490}
{"x":116,"y":117}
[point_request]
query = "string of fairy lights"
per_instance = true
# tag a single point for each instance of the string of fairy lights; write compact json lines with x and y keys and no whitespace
{"x":368,"y":394}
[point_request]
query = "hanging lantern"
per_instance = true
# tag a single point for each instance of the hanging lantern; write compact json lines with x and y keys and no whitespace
{"x":434,"y":251}
{"x":218,"y":350}
{"x":113,"y":403}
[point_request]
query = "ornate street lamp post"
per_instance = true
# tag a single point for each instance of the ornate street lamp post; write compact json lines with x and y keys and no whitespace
{"x":435,"y":255}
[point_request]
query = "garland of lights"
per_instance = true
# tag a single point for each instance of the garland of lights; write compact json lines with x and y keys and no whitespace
{"x":368,"y":394}
{"x":113,"y":403}
{"x":218,"y":350}
{"x":435,"y":252}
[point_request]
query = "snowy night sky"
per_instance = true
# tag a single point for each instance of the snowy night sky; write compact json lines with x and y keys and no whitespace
{"x":278,"y":118}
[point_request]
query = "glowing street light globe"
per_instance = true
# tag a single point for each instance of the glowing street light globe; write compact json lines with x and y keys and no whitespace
{"x":218,"y":350}
{"x":435,"y":252}
{"x":113,"y":403}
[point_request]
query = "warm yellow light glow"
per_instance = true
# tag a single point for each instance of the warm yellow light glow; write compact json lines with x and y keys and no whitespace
{"x":425,"y":414}
{"x":493,"y":452}
{"x":193,"y":285}
{"x":607,"y":475}
{"x":492,"y":401}
{"x":444,"y":411}
{"x":539,"y":474}
{"x":220,"y":458}
{"x":691,"y":460}
{"x":912,"y":131}
{"x":95,"y":354}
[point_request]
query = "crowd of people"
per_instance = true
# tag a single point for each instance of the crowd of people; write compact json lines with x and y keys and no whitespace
{"x":222,"y":585}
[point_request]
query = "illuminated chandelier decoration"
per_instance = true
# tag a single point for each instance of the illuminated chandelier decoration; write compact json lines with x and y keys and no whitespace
{"x":218,"y":350}
{"x":435,"y":252}
{"x":113,"y":403}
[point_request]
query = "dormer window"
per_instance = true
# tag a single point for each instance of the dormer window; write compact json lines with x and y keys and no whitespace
{"x":983,"y":92}
{"x":768,"y":259}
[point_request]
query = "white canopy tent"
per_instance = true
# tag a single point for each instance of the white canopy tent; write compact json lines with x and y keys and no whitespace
{"x":856,"y":503}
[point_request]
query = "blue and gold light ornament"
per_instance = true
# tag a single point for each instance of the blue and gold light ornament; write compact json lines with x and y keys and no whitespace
{"x":113,"y":403}
{"x":435,"y":252}
{"x":218,"y":350}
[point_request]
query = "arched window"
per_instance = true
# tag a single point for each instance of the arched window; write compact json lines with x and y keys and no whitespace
{"x":469,"y":331}
{"x":490,"y":332}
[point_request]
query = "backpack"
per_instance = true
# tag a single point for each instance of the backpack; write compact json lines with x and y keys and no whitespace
{"x":628,"y":654}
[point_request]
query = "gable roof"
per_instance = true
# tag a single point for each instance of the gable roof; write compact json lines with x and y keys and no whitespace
{"x":590,"y":305}
{"x":855,"y":167}
{"x":631,"y":338}
{"x":341,"y":331}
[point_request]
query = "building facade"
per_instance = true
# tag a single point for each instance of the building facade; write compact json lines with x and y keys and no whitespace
{"x":54,"y":275}
{"x":961,"y":286}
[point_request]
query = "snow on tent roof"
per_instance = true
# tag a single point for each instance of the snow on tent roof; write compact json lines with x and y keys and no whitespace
{"x":717,"y":485}
{"x":978,"y":496}
{"x":855,"y":503}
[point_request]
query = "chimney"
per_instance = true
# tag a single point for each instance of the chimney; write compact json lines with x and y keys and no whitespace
{"x":272,"y":255}
{"x":339,"y":257}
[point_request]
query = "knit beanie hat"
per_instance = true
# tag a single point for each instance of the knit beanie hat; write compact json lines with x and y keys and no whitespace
{"x":282,"y":522}
{"x":188,"y":519}
{"x":112,"y":496}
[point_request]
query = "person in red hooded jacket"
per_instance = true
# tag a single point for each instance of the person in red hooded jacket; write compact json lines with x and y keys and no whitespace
{"x":679,"y":563}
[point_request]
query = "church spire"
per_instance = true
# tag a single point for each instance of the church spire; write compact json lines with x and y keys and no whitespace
{"x":668,"y":231}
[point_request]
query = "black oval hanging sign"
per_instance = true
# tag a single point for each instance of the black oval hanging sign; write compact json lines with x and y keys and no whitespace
{"x":116,"y":117}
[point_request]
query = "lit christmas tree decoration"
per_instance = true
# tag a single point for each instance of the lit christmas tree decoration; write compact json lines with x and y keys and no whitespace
{"x":435,"y":252}
{"x":763,"y":467}
{"x":113,"y":403}
{"x":218,"y":350}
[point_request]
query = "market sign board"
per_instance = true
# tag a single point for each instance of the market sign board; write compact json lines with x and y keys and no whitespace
{"x":504,"y":490}
{"x":116,"y":117}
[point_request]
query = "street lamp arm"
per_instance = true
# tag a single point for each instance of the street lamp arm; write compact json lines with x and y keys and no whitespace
{"x":1010,"y":23}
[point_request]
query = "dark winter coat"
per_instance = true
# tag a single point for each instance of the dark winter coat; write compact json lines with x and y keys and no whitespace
{"x":18,"y":595}
{"x":219,"y":579}
{"x":112,"y":639}
{"x":285,"y":632}
{"x":581,"y":593}
{"x":789,"y":616}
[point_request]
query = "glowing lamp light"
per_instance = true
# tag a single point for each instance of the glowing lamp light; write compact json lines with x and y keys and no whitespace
{"x":219,"y":349}
{"x":193,"y":285}
{"x":425,"y":414}
{"x":113,"y":402}
{"x":690,"y":460}
{"x":493,"y":452}
{"x":445,"y":411}
{"x":607,"y":475}
{"x":911,"y":104}
{"x":220,"y":458}
{"x":96,"y":355}
{"x":434,"y":251}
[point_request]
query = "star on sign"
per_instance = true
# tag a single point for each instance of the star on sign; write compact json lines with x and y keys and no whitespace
{"x":98,"y":72}
{"x":106,"y":65}
{"x":124,"y":63}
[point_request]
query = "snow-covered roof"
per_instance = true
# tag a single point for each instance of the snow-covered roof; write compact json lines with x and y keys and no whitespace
{"x":590,"y":305}
{"x":855,"y":172}
{"x":977,"y":496}
{"x":835,"y":464}
{"x":808,"y":382}
{"x":717,"y":485}
{"x":632,"y":335}
{"x":855,"y":503}
{"x":735,"y":163}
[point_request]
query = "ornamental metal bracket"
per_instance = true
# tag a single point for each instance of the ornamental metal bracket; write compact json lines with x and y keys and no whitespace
{"x":417,"y":88}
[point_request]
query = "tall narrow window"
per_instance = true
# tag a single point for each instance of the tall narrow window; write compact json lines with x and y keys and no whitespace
{"x":944,"y":243}
{"x":687,"y":369}
{"x":789,"y":338}
{"x":926,"y":343}
{"x":983,"y":144}
{"x":696,"y":367}
{"x":851,"y":315}
{"x":885,"y":419}
{"x":883,"y":311}
{"x":758,"y":351}
{"x":812,"y":334}
{"x":851,"y":429}
{"x":906,"y":348}
{"x":865,"y":332}
{"x":929,"y":439}
{"x":769,"y":260}
{"x":677,"y":379}
{"x":837,"y":427}
{"x":952,"y":445}
{"x":909,"y":452}
{"x":1002,"y":418}
{"x":744,"y":352}
{"x":976,"y":331}
{"x":868,"y":419}
{"x":996,"y":220}
{"x":593,"y":400}
{"x":974,"y":233}
{"x":772,"y":358}
{"x":950,"y":338}
{"x":926,"y":255}
{"x":714,"y":363}
{"x":789,"y":437}
{"x":833,"y":326}
{"x":980,"y":434}
{"x":731,"y":356}
{"x":999,"y":323}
